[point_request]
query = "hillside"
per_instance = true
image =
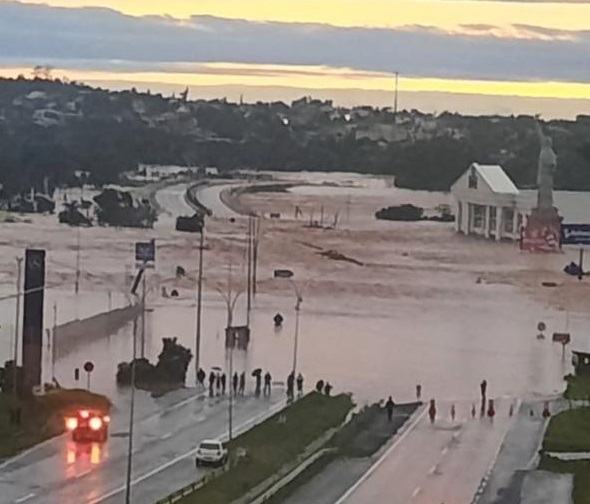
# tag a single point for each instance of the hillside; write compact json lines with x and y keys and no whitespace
{"x":49,"y":129}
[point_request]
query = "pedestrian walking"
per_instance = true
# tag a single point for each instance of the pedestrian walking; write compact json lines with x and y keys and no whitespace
{"x":319,"y":386}
{"x":290,"y":385}
{"x":473,"y":411}
{"x":267,"y":381}
{"x":299,"y":384}
{"x":235,"y":383}
{"x":418,"y":392}
{"x":257,"y":389}
{"x":211,"y":383}
{"x":242,"y":384}
{"x":389,"y":405}
{"x":483,"y":388}
{"x":328,"y":388}
{"x":218,"y":383}
{"x":432,"y":411}
{"x":453,"y":412}
{"x":223,"y":383}
{"x":201,"y":375}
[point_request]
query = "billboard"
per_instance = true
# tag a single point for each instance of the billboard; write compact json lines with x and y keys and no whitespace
{"x":575,"y":234}
{"x":33,"y":318}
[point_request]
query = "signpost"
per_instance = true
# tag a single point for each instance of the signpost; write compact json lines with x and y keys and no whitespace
{"x":564,"y":339}
{"x":145,"y":254}
{"x":88,"y":367}
{"x":576,"y":234}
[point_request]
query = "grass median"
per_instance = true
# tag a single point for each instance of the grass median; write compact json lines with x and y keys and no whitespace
{"x":581,"y":471}
{"x":41,"y":417}
{"x":578,"y":388}
{"x":569,"y":431}
{"x":272,"y":445}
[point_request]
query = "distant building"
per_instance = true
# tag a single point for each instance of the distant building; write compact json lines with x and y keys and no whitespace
{"x":488,"y":203}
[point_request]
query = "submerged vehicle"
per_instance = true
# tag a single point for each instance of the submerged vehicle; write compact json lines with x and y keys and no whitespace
{"x":88,"y":426}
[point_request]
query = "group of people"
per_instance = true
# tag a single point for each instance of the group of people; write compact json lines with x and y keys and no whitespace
{"x":218,"y":382}
{"x":322,"y":386}
{"x":262,"y":384}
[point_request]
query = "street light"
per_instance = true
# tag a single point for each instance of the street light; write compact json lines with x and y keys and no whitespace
{"x":230,"y":299}
{"x":138,"y":278}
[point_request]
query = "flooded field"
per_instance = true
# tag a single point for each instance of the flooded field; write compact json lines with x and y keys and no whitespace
{"x":420,"y":305}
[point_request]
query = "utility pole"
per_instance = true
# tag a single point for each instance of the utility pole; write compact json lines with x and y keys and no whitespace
{"x":131,"y":419}
{"x":249,"y":268}
{"x":19,"y":262}
{"x":54,"y":340}
{"x":77,"y":283}
{"x":395,"y":102}
{"x":199,"y":306}
{"x":296,"y":340}
{"x":257,"y":224}
{"x":143,"y":297}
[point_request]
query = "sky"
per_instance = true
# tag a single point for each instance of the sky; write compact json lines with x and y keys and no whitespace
{"x":473,"y":56}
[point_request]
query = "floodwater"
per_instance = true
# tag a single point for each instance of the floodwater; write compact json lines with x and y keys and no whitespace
{"x":413,"y":314}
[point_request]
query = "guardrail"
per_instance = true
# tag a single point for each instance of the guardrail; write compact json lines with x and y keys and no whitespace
{"x":192,"y":200}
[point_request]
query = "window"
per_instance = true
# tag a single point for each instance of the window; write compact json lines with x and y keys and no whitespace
{"x":493,"y":220}
{"x":508,"y":219}
{"x":479,"y":216}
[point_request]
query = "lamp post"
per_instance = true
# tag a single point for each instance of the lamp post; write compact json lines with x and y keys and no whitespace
{"x":132,"y":402}
{"x":19,"y":262}
{"x":296,"y":339}
{"x":199,"y":305}
{"x":231,"y":298}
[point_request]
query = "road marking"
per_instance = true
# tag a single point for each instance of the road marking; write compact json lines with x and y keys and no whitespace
{"x":445,"y":450}
{"x":81,"y":475}
{"x":416,"y":492}
{"x":25,"y":498}
{"x":382,"y":459}
{"x":432,"y":469}
{"x":167,"y":436}
{"x":238,"y":430}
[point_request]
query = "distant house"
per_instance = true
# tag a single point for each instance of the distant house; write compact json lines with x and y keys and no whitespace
{"x":488,"y":203}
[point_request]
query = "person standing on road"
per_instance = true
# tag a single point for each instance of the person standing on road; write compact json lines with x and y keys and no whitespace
{"x":235,"y":383}
{"x":328,"y":388}
{"x":299,"y":384}
{"x":257,"y":389}
{"x":218,"y":383}
{"x":432,"y":411}
{"x":290,"y":385}
{"x":389,"y":405}
{"x":242,"y":383}
{"x":418,"y":392}
{"x":201,"y":375}
{"x":223,"y":382}
{"x":267,"y":381}
{"x":483,"y":388}
{"x":211,"y":383}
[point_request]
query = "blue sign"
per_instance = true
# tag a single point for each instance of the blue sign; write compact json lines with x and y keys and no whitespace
{"x":575,"y":234}
{"x":145,"y":252}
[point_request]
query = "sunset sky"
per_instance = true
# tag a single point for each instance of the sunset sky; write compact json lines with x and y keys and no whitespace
{"x":518,"y":57}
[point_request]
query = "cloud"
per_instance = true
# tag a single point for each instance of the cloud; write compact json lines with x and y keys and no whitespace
{"x":106,"y":38}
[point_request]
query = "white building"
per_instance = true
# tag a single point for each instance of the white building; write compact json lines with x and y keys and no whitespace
{"x":489,"y":204}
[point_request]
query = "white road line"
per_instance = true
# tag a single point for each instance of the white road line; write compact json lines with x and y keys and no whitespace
{"x":445,"y":450}
{"x":416,"y":492}
{"x":25,"y":498}
{"x":81,"y":475}
{"x":153,"y":472}
{"x":167,"y":436}
{"x":432,"y":469}
{"x":382,"y":459}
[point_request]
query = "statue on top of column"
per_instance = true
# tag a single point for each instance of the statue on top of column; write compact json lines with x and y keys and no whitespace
{"x":546,"y":171}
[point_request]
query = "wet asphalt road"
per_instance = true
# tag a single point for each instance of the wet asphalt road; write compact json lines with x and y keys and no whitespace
{"x":440,"y":462}
{"x":61,"y":472}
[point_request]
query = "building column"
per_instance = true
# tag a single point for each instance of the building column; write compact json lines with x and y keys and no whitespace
{"x":515,"y":230}
{"x":499,"y":227}
{"x":486,"y":226}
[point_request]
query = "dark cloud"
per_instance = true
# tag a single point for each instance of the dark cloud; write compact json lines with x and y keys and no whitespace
{"x":102,"y":38}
